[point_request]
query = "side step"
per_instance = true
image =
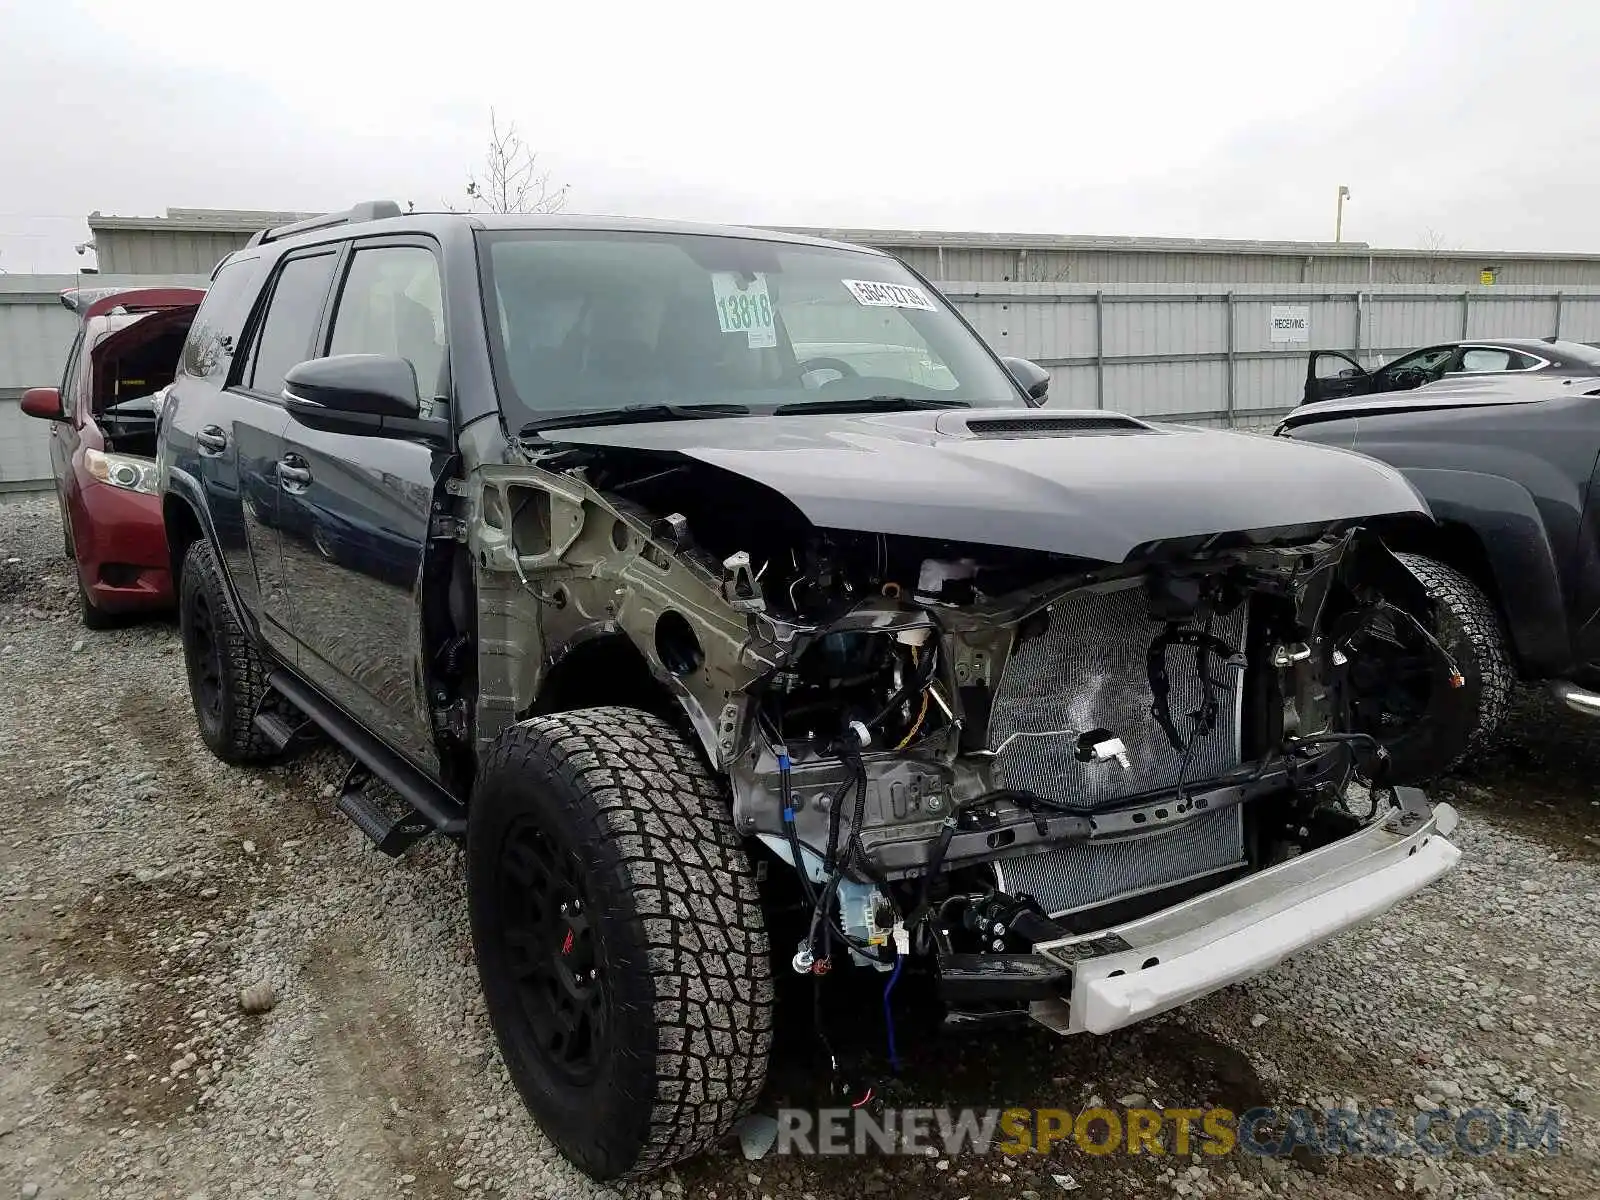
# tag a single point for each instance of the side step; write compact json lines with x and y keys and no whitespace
{"x":428,"y":806}
{"x":393,"y":834}
{"x":280,"y":732}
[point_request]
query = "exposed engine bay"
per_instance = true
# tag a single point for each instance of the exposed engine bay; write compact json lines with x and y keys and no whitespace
{"x":966,"y":750}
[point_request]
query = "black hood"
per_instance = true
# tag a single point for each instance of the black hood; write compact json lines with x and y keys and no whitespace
{"x":1088,"y":484}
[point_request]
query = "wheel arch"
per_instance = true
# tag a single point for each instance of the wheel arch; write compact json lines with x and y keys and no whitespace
{"x":1489,"y":528}
{"x":187,"y":521}
{"x":608,"y":669}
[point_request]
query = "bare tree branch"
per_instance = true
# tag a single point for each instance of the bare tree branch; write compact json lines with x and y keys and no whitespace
{"x":511,"y":181}
{"x":1433,"y":268}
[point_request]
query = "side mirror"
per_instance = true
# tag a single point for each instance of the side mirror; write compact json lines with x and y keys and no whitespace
{"x":379,"y":385}
{"x":359,"y":393}
{"x":1030,"y":376}
{"x":44,"y":403}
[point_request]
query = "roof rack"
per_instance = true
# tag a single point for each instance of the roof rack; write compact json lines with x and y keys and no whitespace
{"x":367,"y":210}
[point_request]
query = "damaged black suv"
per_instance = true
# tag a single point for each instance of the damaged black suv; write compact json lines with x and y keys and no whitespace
{"x":651,"y":560}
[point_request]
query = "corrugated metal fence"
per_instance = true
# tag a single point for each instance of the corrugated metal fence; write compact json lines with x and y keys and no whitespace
{"x":1197,"y":354}
{"x":1207,"y":356}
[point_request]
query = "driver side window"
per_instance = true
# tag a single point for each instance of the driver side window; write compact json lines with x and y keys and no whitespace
{"x":1434,"y":360}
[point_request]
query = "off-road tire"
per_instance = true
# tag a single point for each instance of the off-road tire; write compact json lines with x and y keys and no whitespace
{"x":1460,"y":721}
{"x":674,"y":916}
{"x":205,"y":617}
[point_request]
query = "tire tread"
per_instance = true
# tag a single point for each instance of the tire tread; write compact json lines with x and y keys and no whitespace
{"x":242,"y":663}
{"x":1482,"y":633}
{"x":677,"y":859}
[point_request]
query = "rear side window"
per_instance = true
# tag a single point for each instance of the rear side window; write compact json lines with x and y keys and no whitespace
{"x":1486,"y":358}
{"x":284,"y":339}
{"x":216,"y":325}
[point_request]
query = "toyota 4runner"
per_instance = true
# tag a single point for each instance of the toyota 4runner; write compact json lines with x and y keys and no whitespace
{"x":653,"y":561}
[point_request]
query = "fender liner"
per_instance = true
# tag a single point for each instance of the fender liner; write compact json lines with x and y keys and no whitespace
{"x":705,"y":725}
{"x":1507,"y":522}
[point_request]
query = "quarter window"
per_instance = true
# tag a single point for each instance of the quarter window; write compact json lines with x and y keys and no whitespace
{"x":392,"y":304}
{"x":210,"y":340}
{"x":1486,"y":358}
{"x":291,"y":322}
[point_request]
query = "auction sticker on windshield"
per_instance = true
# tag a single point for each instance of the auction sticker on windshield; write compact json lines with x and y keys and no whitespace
{"x":745,"y":308}
{"x":889,"y":295}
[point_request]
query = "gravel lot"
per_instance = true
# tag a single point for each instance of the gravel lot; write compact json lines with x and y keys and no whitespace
{"x":144,"y":885}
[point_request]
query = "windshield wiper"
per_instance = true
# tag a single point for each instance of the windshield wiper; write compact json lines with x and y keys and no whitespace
{"x":868,"y":404}
{"x":631,"y":413}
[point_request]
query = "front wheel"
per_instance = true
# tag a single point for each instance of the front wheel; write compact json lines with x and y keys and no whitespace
{"x":1402,"y":694}
{"x":619,"y":938}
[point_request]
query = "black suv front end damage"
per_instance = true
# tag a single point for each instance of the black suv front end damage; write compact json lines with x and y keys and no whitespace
{"x":984,"y":759}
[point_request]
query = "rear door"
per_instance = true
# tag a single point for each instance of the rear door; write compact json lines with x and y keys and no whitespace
{"x":247,"y":433}
{"x":1330,"y":374}
{"x":353,"y":552}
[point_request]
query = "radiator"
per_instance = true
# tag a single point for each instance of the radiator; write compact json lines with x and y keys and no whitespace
{"x":1086,"y":671}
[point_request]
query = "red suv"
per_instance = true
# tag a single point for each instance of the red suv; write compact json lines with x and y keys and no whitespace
{"x":103,"y":442}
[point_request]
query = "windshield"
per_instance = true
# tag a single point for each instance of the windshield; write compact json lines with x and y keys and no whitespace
{"x":602,"y":321}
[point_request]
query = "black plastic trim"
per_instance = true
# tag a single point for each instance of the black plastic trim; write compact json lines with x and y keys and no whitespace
{"x":447,"y":814}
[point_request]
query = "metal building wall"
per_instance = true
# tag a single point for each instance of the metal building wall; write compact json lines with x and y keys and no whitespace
{"x":164,"y":252}
{"x":36,"y":333}
{"x":1206,"y":355}
{"x":1109,"y":267}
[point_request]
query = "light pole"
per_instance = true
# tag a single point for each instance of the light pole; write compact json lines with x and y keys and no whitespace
{"x":1338,"y":220}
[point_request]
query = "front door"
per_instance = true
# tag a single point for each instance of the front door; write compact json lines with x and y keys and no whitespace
{"x":353,"y":558}
{"x":1331,"y":374}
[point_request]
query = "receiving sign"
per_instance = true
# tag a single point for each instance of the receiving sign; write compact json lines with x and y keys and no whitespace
{"x":1291,"y":323}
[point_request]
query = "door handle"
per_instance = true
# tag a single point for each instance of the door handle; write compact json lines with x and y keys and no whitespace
{"x":211,"y":440}
{"x":293,"y":473}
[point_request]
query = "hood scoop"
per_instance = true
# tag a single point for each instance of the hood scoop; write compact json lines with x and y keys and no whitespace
{"x":1039,"y":425}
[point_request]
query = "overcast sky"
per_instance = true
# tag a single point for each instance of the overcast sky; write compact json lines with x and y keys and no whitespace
{"x":1472,"y":121}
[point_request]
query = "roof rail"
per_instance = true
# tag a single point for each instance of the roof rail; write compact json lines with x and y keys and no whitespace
{"x":367,"y":210}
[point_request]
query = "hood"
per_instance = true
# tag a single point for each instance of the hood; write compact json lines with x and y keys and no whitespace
{"x":1466,"y":391}
{"x":1089,"y":484}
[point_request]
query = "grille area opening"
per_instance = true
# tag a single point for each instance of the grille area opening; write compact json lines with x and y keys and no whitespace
{"x":1087,"y":670}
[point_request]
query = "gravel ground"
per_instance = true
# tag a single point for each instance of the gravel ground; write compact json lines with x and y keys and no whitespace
{"x":145,"y":885}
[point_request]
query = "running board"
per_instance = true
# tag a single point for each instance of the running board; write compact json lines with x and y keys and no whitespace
{"x":430,"y":802}
{"x":391,"y":832}
{"x":1577,"y":699}
{"x":282,"y":734}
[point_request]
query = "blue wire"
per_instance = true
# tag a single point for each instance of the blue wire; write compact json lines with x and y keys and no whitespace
{"x":888,"y":1014}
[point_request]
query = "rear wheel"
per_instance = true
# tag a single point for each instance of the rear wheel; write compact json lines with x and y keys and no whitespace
{"x":227,"y":676}
{"x":619,"y":938}
{"x":1403,"y":697}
